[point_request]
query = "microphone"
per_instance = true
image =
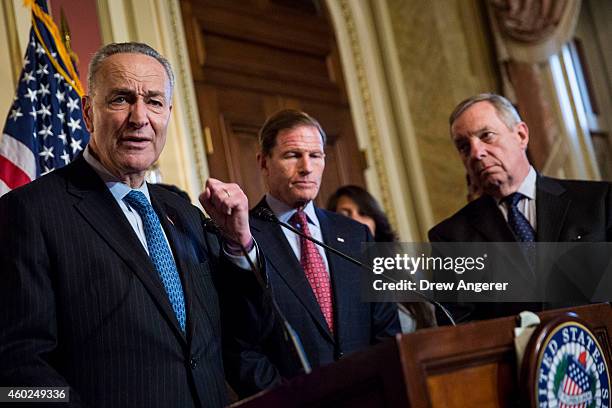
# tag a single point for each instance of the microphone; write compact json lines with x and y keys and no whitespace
{"x":267,"y":215}
{"x":212,"y":227}
{"x":289,"y":330}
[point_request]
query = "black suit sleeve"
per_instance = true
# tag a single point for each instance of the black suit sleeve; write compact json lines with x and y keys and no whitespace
{"x":248,"y":320}
{"x":385,"y":318}
{"x":460,"y":311}
{"x":28,"y":325}
{"x":433,"y":236}
{"x":385,"y":321}
{"x":608,"y":206}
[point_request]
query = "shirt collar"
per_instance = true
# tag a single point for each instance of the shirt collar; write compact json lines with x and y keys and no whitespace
{"x":117,"y":188}
{"x":527,"y":187}
{"x":284,"y":213}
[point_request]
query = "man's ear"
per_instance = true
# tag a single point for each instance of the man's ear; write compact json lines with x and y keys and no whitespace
{"x":262,"y":162}
{"x":86,"y":104}
{"x":523,"y":133}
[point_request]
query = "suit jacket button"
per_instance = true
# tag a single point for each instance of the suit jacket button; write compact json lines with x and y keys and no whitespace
{"x":339,"y":355}
{"x":193,"y":363}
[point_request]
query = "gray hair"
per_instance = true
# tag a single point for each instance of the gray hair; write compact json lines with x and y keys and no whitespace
{"x":506,"y":112}
{"x":126,"y":48}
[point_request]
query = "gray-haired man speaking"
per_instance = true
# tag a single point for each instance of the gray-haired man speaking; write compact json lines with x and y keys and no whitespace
{"x":106,"y":280}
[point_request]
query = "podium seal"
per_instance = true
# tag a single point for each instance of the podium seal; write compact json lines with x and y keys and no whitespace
{"x":571,"y":370}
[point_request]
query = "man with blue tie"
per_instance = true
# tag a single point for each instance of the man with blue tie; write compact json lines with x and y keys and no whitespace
{"x":317,"y":291}
{"x":517,"y":204}
{"x":107,"y":280}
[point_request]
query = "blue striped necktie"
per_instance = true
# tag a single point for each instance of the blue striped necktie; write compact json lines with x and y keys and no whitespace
{"x":159,"y":252}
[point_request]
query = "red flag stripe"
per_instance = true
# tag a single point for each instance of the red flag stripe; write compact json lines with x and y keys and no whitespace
{"x":17,"y":163}
{"x":12,"y":175}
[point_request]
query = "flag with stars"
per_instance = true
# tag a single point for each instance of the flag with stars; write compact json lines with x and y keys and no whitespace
{"x":575,"y":389}
{"x":44,"y":129}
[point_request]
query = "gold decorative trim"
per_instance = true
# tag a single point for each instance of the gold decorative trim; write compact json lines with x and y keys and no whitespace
{"x":13,"y":39}
{"x":368,"y":109}
{"x":192,"y":115}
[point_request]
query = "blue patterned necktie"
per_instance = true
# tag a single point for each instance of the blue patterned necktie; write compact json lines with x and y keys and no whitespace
{"x":519,"y":225}
{"x":159,"y":252}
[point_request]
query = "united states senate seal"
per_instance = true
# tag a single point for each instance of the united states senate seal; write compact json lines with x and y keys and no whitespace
{"x":571,"y":370}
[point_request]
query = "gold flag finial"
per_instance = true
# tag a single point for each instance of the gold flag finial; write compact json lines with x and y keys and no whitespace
{"x":65,"y":33}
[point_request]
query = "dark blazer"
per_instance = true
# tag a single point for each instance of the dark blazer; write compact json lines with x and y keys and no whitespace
{"x":82,"y":305}
{"x":566,"y":211}
{"x":262,"y":361}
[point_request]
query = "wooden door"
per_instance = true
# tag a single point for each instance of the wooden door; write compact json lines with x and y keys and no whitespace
{"x":251,"y":58}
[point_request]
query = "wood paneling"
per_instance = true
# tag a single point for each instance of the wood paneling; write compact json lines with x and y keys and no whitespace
{"x":252,"y":58}
{"x":445,"y":394}
{"x":471,"y":365}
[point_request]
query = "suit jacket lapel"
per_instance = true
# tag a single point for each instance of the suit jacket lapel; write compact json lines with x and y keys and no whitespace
{"x":100,"y":209}
{"x":551,"y":209}
{"x":168,"y":216}
{"x":495,"y":228}
{"x":280,"y":254}
{"x":341,"y":273}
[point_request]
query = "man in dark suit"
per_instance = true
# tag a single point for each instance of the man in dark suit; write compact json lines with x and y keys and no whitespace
{"x":517,"y":204}
{"x":106,"y":280}
{"x":317,"y":291}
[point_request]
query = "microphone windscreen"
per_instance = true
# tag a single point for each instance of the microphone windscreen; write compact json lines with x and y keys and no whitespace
{"x":266,"y":214}
{"x":211,"y":226}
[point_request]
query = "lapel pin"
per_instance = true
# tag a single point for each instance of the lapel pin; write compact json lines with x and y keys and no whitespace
{"x":340,"y":239}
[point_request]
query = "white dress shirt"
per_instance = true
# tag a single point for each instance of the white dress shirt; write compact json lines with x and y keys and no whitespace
{"x":284,"y":213}
{"x":527,"y":205}
{"x":119,"y":190}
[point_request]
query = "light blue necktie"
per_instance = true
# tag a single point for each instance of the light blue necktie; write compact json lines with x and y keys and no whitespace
{"x":159,"y":252}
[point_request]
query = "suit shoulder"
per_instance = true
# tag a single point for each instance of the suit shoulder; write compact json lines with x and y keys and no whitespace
{"x":455,"y":223}
{"x":580,"y":190}
{"x":335,"y":217}
{"x":169,"y":195}
{"x":340,"y":220}
{"x":341,"y":224}
{"x":49,"y":184}
{"x":177,"y":207}
{"x":586,"y":185}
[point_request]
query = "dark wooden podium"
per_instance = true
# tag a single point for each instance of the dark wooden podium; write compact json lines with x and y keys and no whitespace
{"x":471,"y":365}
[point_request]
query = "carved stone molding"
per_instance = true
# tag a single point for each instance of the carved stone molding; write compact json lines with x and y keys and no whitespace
{"x":372,"y":130}
{"x":193,"y":120}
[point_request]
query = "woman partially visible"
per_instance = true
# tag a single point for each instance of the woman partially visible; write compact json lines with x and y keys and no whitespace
{"x":356,"y":203}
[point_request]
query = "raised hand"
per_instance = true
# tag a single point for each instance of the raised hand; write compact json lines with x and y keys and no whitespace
{"x":228,"y":206}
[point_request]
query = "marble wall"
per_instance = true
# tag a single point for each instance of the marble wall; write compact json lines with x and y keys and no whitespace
{"x":445,"y":57}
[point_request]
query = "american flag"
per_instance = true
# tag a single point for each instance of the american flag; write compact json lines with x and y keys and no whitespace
{"x":574,"y":391}
{"x":44,"y":129}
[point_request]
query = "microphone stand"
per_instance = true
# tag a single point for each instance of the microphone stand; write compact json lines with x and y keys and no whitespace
{"x":289,"y":331}
{"x":269,"y":216}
